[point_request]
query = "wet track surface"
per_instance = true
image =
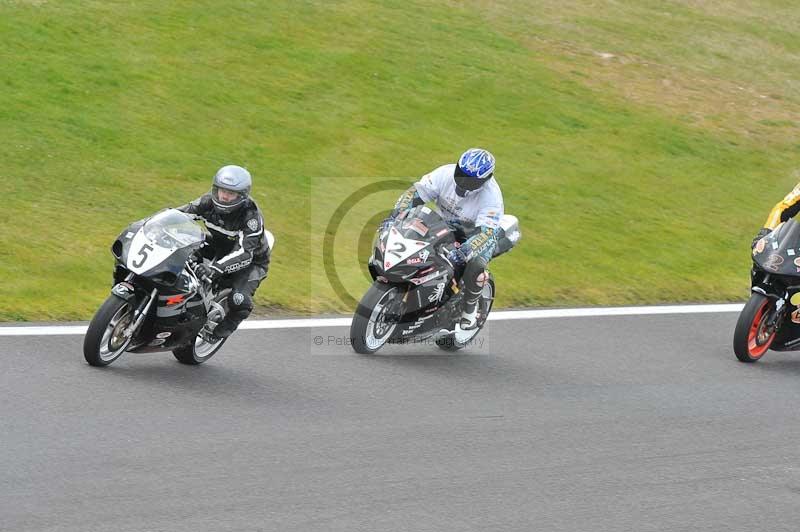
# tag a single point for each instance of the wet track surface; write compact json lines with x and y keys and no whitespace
{"x":601,"y":424}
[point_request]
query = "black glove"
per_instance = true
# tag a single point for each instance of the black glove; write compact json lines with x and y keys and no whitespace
{"x":761,"y":234}
{"x":457,"y":257}
{"x":204,"y":271}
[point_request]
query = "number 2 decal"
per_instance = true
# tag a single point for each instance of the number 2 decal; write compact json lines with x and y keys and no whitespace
{"x":399,"y":248}
{"x":143,"y":255}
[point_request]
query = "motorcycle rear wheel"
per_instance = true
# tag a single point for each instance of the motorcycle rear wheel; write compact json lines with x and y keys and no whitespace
{"x":200,"y":350}
{"x":197,"y":352}
{"x":460,"y":339}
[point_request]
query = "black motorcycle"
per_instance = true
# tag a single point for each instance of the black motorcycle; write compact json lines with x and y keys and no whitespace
{"x":416,"y":294}
{"x":158,"y":302}
{"x":771,"y":318}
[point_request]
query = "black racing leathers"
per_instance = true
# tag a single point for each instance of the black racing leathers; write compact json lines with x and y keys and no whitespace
{"x":240,"y":254}
{"x":237,"y":239}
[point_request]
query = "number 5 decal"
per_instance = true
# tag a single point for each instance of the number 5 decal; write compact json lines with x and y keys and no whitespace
{"x":143,"y":255}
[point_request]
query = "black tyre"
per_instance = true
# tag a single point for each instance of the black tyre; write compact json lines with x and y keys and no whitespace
{"x":448,"y":343}
{"x":106,"y":338}
{"x":197,"y":352}
{"x":371,"y":328}
{"x":201,"y":350}
{"x":459,"y":340}
{"x":753,"y":336}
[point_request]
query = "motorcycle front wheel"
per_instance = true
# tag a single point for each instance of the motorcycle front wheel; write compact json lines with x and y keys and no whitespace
{"x":107,"y":336}
{"x":372,"y":325}
{"x":754,"y":331}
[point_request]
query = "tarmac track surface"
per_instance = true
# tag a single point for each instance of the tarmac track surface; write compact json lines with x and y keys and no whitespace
{"x":605,"y":423}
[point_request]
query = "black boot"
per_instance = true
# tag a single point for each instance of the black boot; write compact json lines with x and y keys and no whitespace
{"x":224,"y":329}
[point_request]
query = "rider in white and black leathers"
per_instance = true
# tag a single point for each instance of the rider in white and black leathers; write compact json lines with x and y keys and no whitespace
{"x":239,"y":249}
{"x":469,"y":199}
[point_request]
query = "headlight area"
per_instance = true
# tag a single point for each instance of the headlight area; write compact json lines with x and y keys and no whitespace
{"x":165,"y":278}
{"x":116,"y":249}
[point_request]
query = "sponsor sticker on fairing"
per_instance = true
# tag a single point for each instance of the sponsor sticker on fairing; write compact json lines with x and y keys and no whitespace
{"x":774,"y":262}
{"x":427,"y":278}
{"x":418,"y":227}
{"x":436,"y":296}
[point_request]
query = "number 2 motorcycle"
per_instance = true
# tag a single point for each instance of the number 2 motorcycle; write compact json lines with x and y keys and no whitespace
{"x":771,"y":317}
{"x":416,"y":294}
{"x":158,"y":302}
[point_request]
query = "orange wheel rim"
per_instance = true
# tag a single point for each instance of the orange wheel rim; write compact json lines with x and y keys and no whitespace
{"x":755,"y":349}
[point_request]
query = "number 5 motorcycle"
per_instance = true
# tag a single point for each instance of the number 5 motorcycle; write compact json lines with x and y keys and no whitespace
{"x":158,"y":302}
{"x":416,"y":294}
{"x":771,"y":318}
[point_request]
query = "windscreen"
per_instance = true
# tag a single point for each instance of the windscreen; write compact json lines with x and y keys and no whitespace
{"x":422,"y":223}
{"x":173,"y":229}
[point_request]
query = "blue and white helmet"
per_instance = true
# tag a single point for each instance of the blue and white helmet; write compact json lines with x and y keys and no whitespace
{"x":475,"y":167}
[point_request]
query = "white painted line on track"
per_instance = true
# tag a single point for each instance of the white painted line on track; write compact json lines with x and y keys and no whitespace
{"x":46,"y":330}
{"x":612,"y":311}
{"x":52,"y":330}
{"x":298,"y":323}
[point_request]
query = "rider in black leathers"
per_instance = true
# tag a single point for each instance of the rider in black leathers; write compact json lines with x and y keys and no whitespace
{"x":239,"y":249}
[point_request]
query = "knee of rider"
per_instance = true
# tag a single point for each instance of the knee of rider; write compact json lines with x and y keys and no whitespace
{"x":241,"y":301}
{"x":476,"y":265}
{"x":476,"y":269}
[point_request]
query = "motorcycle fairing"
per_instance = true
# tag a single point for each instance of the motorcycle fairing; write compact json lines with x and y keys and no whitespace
{"x":779,"y":252}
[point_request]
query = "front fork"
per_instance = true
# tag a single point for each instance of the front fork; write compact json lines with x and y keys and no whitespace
{"x":762,"y":286}
{"x":395,"y":309}
{"x":127,"y":291}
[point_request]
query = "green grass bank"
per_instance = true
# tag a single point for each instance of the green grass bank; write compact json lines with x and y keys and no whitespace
{"x":641,"y":145}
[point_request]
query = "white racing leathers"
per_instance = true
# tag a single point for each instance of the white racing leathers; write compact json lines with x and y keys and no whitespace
{"x":475,"y":217}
